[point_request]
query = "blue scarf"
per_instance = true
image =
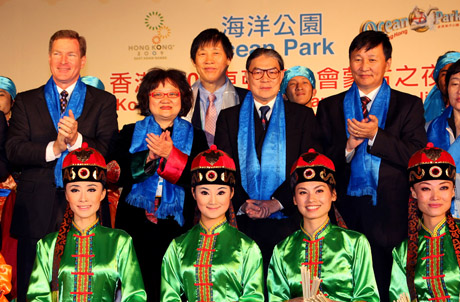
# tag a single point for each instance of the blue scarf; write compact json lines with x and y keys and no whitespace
{"x":76,"y":103}
{"x":434,"y":103}
{"x":365,"y":167}
{"x":142,"y":194}
{"x":437,"y":134}
{"x":261,"y":180}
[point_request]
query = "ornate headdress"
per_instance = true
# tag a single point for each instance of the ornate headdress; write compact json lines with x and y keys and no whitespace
{"x":431,"y":163}
{"x":313,"y":166}
{"x":84,"y":164}
{"x":213,"y":166}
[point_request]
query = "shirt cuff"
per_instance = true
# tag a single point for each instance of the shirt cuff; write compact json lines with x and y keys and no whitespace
{"x":49,"y":155}
{"x":349,"y":155}
{"x":279,"y":202}
{"x":77,"y":144}
{"x":370,"y":142}
{"x":240,"y":212}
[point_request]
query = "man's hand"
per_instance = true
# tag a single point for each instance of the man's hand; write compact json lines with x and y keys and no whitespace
{"x":259,"y":209}
{"x":367,"y":128}
{"x":59,"y":145}
{"x":359,"y":131}
{"x":68,"y":127}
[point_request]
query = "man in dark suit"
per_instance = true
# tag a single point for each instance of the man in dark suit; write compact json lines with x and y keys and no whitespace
{"x":211,"y":53}
{"x":370,"y":132}
{"x":265,"y":135}
{"x":46,"y":124}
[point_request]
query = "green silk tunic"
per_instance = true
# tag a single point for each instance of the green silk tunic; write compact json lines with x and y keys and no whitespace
{"x":94,"y":263}
{"x":436,"y":260}
{"x":340,"y":257}
{"x":219,"y":264}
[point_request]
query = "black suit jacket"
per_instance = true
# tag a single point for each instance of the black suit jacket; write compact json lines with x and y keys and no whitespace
{"x":31,"y":129}
{"x":301,"y":134}
{"x":403,"y":135}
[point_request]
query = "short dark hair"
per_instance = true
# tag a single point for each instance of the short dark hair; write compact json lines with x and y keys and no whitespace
{"x":68,"y":34}
{"x":371,"y":39}
{"x":453,"y":69}
{"x":153,"y":78}
{"x":211,"y":36}
{"x":267,"y":52}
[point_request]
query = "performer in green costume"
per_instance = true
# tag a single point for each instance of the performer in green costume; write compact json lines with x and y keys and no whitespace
{"x":85,"y":261}
{"x":427,"y":265}
{"x":213,"y":261}
{"x":341,"y":258}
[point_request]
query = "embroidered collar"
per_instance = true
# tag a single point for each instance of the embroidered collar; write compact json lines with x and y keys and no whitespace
{"x":438,"y":230}
{"x":215,"y":227}
{"x":321,"y":231}
{"x":87,"y":230}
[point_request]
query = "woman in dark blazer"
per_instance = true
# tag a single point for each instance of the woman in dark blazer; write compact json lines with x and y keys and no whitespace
{"x":155,"y":155}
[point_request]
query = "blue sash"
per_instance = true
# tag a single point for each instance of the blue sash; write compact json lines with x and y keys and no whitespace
{"x":365,"y":167}
{"x":437,"y":134}
{"x":437,"y":130}
{"x":142,"y":194}
{"x":261,"y":180}
{"x":76,"y":103}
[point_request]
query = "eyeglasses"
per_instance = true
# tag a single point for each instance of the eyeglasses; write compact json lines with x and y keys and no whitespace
{"x":258,"y":73}
{"x":161,"y":95}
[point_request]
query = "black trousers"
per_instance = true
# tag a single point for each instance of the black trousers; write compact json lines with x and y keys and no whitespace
{"x":384,"y":227}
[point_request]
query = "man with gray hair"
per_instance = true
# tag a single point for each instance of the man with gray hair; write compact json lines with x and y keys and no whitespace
{"x":265,"y":135}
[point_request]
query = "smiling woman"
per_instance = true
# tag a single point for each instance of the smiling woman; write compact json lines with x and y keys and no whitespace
{"x":155,"y":155}
{"x":102,"y":257}
{"x":341,"y":258}
{"x":213,"y":261}
{"x":427,"y":264}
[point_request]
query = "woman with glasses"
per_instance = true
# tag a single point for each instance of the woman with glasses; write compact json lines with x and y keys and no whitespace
{"x":155,"y":155}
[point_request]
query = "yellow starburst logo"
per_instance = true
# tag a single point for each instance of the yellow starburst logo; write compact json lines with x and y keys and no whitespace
{"x":164,"y":32}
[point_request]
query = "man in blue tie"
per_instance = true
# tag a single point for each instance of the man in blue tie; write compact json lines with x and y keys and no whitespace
{"x":265,"y":135}
{"x":370,"y":132}
{"x":47,"y":123}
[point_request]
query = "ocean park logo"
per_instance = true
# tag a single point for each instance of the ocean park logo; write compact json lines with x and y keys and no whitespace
{"x":157,"y":48}
{"x":418,"y":20}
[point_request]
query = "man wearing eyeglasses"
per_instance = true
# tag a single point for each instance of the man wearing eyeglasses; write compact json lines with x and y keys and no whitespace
{"x":46,"y":124}
{"x":211,"y":53}
{"x":265,"y":135}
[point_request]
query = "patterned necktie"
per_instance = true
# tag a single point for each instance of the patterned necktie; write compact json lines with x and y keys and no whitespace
{"x":210,"y":120}
{"x":364,"y":101}
{"x":63,"y":100}
{"x":263,"y":115}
